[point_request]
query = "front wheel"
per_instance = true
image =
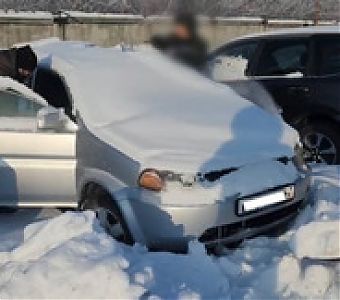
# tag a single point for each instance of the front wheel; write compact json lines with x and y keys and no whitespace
{"x":107,"y":213}
{"x":321,"y":142}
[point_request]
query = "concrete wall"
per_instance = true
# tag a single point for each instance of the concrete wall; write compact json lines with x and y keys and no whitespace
{"x":110,"y":30}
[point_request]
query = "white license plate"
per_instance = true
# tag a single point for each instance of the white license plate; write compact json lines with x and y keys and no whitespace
{"x":252,"y":204}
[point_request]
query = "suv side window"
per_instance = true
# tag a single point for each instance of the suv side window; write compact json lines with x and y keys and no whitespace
{"x":17,"y":112}
{"x":328,"y":56}
{"x":233,"y":61}
{"x":284,"y":58}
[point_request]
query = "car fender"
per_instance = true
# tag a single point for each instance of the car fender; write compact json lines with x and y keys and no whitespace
{"x":119,"y":193}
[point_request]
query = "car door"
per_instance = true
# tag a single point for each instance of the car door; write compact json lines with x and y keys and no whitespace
{"x":283,"y":70}
{"x":37,"y":168}
{"x":326,"y":75}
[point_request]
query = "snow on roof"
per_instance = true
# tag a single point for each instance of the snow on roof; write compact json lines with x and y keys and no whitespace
{"x":11,"y":14}
{"x":309,"y":30}
{"x":80,"y":14}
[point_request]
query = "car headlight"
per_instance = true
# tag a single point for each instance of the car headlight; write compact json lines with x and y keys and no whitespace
{"x":151,"y":179}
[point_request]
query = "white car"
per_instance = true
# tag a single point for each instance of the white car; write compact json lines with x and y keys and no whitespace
{"x":163,"y":155}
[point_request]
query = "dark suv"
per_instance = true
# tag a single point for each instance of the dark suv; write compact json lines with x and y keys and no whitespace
{"x":300,"y":70}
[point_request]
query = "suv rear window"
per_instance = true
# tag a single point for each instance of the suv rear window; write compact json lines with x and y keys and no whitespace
{"x":328,"y":55}
{"x":284,"y":57}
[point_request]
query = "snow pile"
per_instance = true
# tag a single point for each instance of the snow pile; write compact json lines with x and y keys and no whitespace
{"x":66,"y":263}
{"x":70,"y":256}
{"x":318,"y":239}
{"x":265,"y":269}
{"x":319,"y":236}
{"x":293,"y":265}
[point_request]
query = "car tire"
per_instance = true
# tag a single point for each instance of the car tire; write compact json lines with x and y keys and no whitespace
{"x":321,"y":141}
{"x":107,"y":213}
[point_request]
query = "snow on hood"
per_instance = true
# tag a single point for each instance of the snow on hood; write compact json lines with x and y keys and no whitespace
{"x":164,"y":115}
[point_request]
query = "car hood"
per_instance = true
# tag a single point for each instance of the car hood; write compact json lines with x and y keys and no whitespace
{"x":164,"y":115}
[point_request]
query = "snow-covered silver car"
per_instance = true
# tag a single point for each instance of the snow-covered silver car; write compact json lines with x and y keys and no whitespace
{"x":163,"y":155}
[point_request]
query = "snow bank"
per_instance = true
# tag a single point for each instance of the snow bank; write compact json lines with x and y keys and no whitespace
{"x":265,"y":269}
{"x":319,"y":239}
{"x":319,"y":236}
{"x":70,"y":256}
{"x":71,"y":263}
{"x":303,"y":263}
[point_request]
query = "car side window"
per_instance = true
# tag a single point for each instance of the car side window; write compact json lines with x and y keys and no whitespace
{"x":17,"y":112}
{"x":284,"y":58}
{"x":328,"y":56}
{"x":233,"y":62}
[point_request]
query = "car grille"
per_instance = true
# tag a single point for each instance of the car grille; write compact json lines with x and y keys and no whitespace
{"x":224,"y":231}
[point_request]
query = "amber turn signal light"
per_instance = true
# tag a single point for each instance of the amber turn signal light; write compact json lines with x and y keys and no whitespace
{"x":151,"y":180}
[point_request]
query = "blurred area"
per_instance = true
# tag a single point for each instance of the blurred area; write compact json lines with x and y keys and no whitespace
{"x":109,"y":22}
{"x":183,"y":42}
{"x":299,"y":9}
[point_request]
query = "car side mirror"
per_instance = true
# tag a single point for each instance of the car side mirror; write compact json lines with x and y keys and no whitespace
{"x":54,"y":119}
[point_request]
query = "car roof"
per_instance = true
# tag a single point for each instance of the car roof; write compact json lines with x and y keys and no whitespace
{"x":290,"y":32}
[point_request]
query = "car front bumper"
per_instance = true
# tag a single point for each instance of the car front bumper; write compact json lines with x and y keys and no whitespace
{"x":161,"y":226}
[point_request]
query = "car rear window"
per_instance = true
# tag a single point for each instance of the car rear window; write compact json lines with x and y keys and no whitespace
{"x":284,"y":57}
{"x":328,"y":55}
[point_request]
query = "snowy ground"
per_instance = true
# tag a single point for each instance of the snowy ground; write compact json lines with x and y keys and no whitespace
{"x":47,"y":255}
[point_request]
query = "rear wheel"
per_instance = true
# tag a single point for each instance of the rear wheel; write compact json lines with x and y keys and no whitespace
{"x":107,"y":213}
{"x":321,"y":142}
